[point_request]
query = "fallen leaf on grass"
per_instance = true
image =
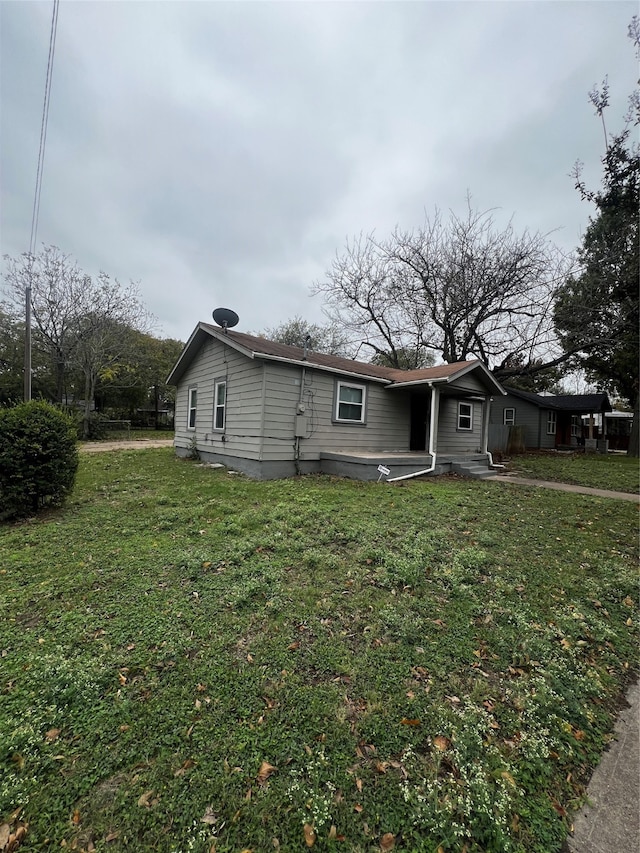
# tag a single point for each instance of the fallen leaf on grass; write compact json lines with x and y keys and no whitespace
{"x":309,"y":835}
{"x":113,"y":836}
{"x":442,"y":743}
{"x":10,"y":841}
{"x":188,"y":764}
{"x":148,"y":800}
{"x":209,"y":817}
{"x":409,"y":722}
{"x":388,"y":841}
{"x":265,"y":771}
{"x":52,"y":734}
{"x":75,"y":817}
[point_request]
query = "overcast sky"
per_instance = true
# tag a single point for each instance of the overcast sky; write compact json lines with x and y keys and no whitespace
{"x":220,"y":153}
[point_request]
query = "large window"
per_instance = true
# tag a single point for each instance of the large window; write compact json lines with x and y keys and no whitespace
{"x":350,"y":401}
{"x":465,"y":416}
{"x":193,"y":402}
{"x":219,"y":403}
{"x":551,"y":423}
{"x":508,"y":417}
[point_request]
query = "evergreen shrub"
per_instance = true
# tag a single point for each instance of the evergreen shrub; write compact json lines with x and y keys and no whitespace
{"x":38,"y":458}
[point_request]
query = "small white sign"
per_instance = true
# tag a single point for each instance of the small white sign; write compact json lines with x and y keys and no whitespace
{"x":384,"y":470}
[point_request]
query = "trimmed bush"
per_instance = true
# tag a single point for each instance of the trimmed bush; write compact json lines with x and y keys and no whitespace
{"x":38,"y":458}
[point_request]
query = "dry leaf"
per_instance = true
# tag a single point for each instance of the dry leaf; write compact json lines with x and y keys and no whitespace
{"x":309,"y":835}
{"x":359,"y":784}
{"x":357,"y":808}
{"x":442,"y":743}
{"x":5,"y":832}
{"x":333,"y":833}
{"x":75,"y":817}
{"x":52,"y":734}
{"x":265,"y":771}
{"x":111,"y":837}
{"x":411,"y":722}
{"x":209,"y":816}
{"x":388,"y":841}
{"x":147,"y":800}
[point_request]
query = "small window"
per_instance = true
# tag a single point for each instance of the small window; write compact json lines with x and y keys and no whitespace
{"x":350,"y":401}
{"x":551,"y":423}
{"x":509,"y":417}
{"x":219,"y":403}
{"x":576,"y":426}
{"x":465,"y":416}
{"x":193,"y":402}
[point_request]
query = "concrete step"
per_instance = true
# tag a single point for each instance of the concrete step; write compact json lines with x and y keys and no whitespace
{"x":473,"y":470}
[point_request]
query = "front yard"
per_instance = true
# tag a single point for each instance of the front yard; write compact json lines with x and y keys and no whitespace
{"x":192,"y":661}
{"x":617,"y":472}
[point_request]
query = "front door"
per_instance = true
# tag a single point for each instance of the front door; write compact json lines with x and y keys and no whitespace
{"x":419,"y":422}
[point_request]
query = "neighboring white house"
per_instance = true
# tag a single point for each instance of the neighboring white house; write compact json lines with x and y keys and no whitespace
{"x":272,"y":410}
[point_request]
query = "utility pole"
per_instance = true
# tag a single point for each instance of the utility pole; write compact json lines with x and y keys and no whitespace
{"x":27,"y":344}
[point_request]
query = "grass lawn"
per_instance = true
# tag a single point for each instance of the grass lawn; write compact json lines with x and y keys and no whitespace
{"x":192,"y":661}
{"x":599,"y":471}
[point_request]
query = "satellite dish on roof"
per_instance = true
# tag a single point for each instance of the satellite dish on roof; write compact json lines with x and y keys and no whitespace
{"x":226,"y":318}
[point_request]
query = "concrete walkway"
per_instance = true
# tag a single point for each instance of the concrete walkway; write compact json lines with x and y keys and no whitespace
{"x":566,"y":487}
{"x":610,"y":820}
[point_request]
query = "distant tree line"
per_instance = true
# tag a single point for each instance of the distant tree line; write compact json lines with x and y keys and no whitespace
{"x":91,"y":345}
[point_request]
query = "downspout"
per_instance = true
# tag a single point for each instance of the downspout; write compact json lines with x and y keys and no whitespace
{"x":433,"y":426}
{"x":485,"y":433}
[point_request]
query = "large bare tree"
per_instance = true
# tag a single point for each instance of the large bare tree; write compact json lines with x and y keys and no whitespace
{"x":460,"y":288}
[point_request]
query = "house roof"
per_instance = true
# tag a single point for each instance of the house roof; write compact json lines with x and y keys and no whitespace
{"x":576,"y":403}
{"x":256,"y":347}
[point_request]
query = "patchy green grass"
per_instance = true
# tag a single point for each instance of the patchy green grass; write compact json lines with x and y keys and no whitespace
{"x":192,"y":661}
{"x":612,"y":471}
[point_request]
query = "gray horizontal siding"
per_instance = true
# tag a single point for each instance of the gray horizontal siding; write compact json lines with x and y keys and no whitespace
{"x":242,"y":434}
{"x":527,"y":415}
{"x":387,"y":416}
{"x":450,"y":438}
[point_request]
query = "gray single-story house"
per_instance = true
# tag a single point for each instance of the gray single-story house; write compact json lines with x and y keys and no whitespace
{"x":544,"y":422}
{"x":271,"y":410}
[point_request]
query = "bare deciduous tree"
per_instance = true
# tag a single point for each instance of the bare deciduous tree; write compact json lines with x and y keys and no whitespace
{"x":462,"y":289}
{"x":79,"y":320}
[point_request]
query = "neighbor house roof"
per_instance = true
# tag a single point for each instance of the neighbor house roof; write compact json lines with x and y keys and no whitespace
{"x":256,"y":347}
{"x":566,"y":402}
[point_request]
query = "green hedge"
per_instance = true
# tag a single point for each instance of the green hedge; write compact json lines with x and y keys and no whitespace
{"x":38,"y":458}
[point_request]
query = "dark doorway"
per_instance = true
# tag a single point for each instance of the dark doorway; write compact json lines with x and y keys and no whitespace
{"x":419,"y":420}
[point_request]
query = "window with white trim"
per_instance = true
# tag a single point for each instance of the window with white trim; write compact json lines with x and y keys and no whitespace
{"x":509,"y":417}
{"x":350,"y":403}
{"x":219,"y":403}
{"x":465,"y":415}
{"x":576,"y":426}
{"x":551,"y":423}
{"x":193,"y":404}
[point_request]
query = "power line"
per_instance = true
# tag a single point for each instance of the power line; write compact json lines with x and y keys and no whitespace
{"x":36,"y":199}
{"x":43,"y":127}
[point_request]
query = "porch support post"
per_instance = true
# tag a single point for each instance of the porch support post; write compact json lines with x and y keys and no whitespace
{"x":433,"y":420}
{"x":485,"y":424}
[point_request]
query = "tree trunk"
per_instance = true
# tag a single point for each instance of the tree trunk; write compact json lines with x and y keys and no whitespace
{"x":634,"y":438}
